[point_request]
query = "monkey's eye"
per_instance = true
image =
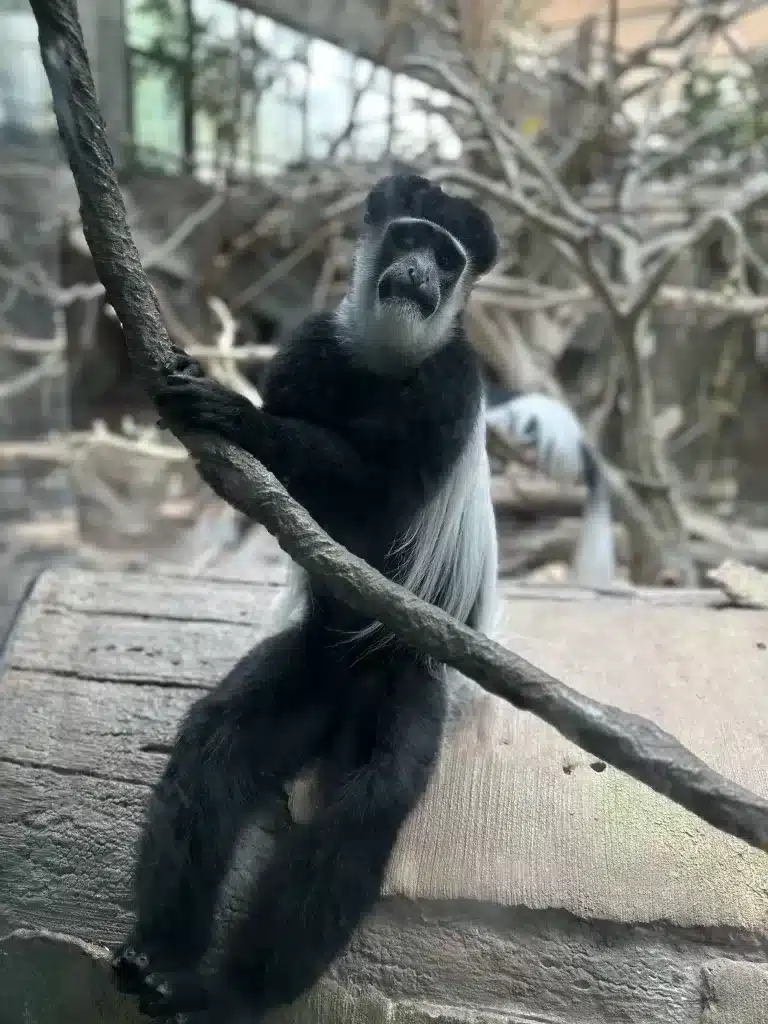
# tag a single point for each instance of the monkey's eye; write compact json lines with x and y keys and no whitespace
{"x":448,"y":257}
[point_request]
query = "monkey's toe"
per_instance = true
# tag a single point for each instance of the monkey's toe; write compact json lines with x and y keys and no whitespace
{"x":157,"y":996}
{"x":169,"y":995}
{"x":129,"y":969}
{"x":215,"y":1016}
{"x":186,"y":364}
{"x":199,"y":404}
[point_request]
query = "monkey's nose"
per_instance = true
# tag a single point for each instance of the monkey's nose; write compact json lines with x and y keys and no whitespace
{"x":417,"y":275}
{"x":412,"y":282}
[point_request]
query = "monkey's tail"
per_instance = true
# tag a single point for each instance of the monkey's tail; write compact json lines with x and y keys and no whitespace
{"x":594,"y":564}
{"x":563,"y":452}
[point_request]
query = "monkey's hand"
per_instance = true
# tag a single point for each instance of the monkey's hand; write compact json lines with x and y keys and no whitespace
{"x":186,"y":364}
{"x":308,"y":459}
{"x":200,"y":403}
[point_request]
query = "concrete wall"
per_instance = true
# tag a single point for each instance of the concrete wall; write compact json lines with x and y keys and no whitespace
{"x":357,"y":25}
{"x":360,"y":24}
{"x":640,"y":20}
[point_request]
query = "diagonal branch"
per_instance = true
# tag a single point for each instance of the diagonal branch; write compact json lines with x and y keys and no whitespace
{"x":572,"y":226}
{"x":496,"y":128}
{"x":707,"y":18}
{"x":627,"y":741}
{"x":514,"y":201}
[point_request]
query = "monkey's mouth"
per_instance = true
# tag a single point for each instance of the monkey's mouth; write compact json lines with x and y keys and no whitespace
{"x":393,"y":288}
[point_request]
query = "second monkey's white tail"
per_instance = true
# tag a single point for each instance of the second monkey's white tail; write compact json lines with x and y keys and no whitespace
{"x":563,"y":452}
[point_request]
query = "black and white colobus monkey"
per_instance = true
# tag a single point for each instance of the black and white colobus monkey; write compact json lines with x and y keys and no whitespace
{"x":373,"y":419}
{"x":563,"y":452}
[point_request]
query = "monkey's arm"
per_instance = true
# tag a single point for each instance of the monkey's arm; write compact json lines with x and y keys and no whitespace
{"x":311,"y":461}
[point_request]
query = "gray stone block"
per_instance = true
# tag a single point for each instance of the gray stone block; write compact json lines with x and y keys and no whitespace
{"x":532,"y":885}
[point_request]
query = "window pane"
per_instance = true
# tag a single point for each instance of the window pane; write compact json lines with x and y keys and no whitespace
{"x":217,"y":17}
{"x":156,"y":26}
{"x":267,"y":95}
{"x":288,"y":44}
{"x":280,"y":127}
{"x":329,"y":96}
{"x":371,"y":78}
{"x":281,"y":118}
{"x":280,"y":40}
{"x":410,"y":119}
{"x":25,"y":96}
{"x":372,"y":126}
{"x":295,"y":78}
{"x":441,"y":132}
{"x":156,"y":116}
{"x":208,"y":156}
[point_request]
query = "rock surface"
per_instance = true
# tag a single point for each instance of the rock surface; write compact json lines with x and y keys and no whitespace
{"x":533,"y":885}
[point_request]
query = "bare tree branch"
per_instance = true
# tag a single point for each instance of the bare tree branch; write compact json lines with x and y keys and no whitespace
{"x":631,"y":743}
{"x":671,"y":246}
{"x":496,"y":127}
{"x":515,"y":201}
{"x":319,"y":237}
{"x":224,"y":366}
{"x":65,"y":449}
{"x":708,"y":17}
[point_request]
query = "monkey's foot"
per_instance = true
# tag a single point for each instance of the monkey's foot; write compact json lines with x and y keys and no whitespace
{"x":170,"y":994}
{"x":215,"y":1016}
{"x":187,"y":364}
{"x":201,"y":404}
{"x":242,"y":1014}
{"x":130,"y":967}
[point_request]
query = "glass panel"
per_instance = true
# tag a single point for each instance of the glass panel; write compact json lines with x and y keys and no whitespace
{"x":372,"y":126}
{"x":295,"y":78}
{"x":329,"y":96}
{"x":266,"y":95}
{"x":288,"y":44}
{"x":156,"y":26}
{"x":158,"y":131}
{"x":410,"y":119}
{"x":280,"y":40}
{"x":217,"y":96}
{"x":211,"y":156}
{"x":280,"y":128}
{"x":371,"y":78}
{"x":441,"y":132}
{"x":217,"y":18}
{"x":25,"y":97}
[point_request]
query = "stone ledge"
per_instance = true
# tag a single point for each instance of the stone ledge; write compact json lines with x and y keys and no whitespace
{"x":528,"y":887}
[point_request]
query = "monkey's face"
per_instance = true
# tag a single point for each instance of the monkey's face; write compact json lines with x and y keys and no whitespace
{"x":420,"y":265}
{"x":411,"y":279}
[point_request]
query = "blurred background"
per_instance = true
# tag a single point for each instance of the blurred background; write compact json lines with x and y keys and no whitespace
{"x":620,"y":147}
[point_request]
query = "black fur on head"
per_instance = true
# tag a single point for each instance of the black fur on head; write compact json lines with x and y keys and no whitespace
{"x":411,"y":195}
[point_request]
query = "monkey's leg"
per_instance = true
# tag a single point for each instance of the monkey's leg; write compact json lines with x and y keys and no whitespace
{"x":326,"y":875}
{"x":234,"y":751}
